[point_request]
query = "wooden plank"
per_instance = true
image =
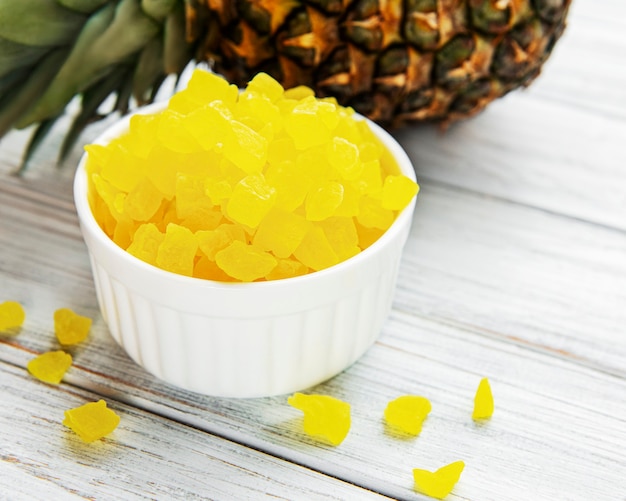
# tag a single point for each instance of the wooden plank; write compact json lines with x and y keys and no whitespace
{"x":486,"y":288}
{"x":559,"y":431}
{"x":557,"y":145}
{"x":146,"y":457}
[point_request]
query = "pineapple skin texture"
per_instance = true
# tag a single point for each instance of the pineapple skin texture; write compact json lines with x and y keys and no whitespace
{"x":391,"y":60}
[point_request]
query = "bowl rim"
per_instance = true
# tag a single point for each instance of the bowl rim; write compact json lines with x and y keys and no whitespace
{"x":88,"y":222}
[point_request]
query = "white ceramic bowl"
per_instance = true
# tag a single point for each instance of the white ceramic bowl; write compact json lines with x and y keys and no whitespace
{"x":244,"y":339}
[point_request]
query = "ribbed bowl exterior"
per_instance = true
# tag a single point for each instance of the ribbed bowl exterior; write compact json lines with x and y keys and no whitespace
{"x":244,"y":340}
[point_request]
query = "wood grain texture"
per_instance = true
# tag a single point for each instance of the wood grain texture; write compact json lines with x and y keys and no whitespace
{"x":515,"y":269}
{"x":146,"y":457}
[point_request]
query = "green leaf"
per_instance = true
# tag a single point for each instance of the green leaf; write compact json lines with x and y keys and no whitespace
{"x":84,"y":6}
{"x":36,"y":139}
{"x":100,"y":46}
{"x":42,"y":23}
{"x":15,"y":55}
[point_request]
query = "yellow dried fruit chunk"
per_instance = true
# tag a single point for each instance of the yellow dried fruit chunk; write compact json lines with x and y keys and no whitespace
{"x":438,"y":484}
{"x":315,"y":251}
{"x":50,"y":367}
{"x":281,"y":232}
{"x":91,"y":421}
{"x":69,"y":327}
{"x":12,"y":316}
{"x":325,"y":417}
{"x":146,"y":242}
{"x":245,"y":262}
{"x":322,"y":202}
{"x":178,"y":250}
{"x":398,"y":191}
{"x":287,"y":268}
{"x":251,"y":200}
{"x":483,"y":401}
{"x":264,"y":84}
{"x":407,"y":413}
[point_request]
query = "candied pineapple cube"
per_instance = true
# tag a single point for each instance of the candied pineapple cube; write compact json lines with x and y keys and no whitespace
{"x":251,"y":200}
{"x":264,"y":84}
{"x":204,"y":86}
{"x":483,"y":401}
{"x":407,"y":413}
{"x":245,"y":262}
{"x":69,"y":327}
{"x":50,"y":367}
{"x":91,"y":421}
{"x":322,"y":201}
{"x":245,"y":147}
{"x":398,"y":192}
{"x":146,"y":242}
{"x":373,"y":215}
{"x":12,"y":316}
{"x":438,"y":484}
{"x":178,"y":250}
{"x":315,"y":251}
{"x":325,"y":417}
{"x":287,"y":268}
{"x":281,"y":232}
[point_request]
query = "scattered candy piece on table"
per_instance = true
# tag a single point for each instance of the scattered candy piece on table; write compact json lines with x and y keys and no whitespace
{"x":299,"y":178}
{"x":483,"y":401}
{"x":325,"y":417}
{"x":407,"y":413}
{"x":50,"y":367}
{"x":438,"y":484}
{"x":69,"y":327}
{"x":12,"y":316}
{"x":91,"y":421}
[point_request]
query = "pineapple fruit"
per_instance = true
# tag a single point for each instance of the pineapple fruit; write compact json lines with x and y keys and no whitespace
{"x":392,"y":60}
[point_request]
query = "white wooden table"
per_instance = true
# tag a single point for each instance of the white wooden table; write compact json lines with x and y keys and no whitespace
{"x":515,"y":270}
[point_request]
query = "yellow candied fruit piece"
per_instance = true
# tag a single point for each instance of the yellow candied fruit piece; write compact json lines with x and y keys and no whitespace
{"x":142,"y":202}
{"x":325,"y":417}
{"x":172,"y":134}
{"x":407,"y":413}
{"x":306,"y":125}
{"x":122,"y":169}
{"x":191,"y":197}
{"x":373,"y":215}
{"x":344,"y":157}
{"x":323,"y":201}
{"x":259,"y":109}
{"x":178,"y":250}
{"x":483,"y":401}
{"x":205,"y":86}
{"x":209,"y":270}
{"x":245,"y":262}
{"x":342,"y":236}
{"x":142,"y":134}
{"x":12,"y":316}
{"x":370,"y":181}
{"x":397,"y":192}
{"x":146,"y":242}
{"x":281,"y":232}
{"x":69,"y":327}
{"x":50,"y":367}
{"x":245,"y":147}
{"x":315,"y":251}
{"x":299,"y":92}
{"x":262,"y":83}
{"x":438,"y":484}
{"x":251,"y":200}
{"x":291,"y":188}
{"x":209,"y":123}
{"x":212,"y":241}
{"x":287,"y":268}
{"x":367,"y":236}
{"x":91,"y":421}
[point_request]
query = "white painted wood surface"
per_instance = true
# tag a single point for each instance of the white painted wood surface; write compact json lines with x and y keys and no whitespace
{"x":515,"y":270}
